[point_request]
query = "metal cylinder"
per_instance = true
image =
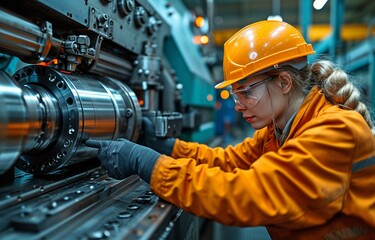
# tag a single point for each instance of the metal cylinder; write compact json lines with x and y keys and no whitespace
{"x":42,"y":118}
{"x":13,"y":126}
{"x":111,"y":65}
{"x":28,"y":41}
{"x":57,"y":113}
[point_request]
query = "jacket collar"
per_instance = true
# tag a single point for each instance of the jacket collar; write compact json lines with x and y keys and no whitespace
{"x":312,"y":105}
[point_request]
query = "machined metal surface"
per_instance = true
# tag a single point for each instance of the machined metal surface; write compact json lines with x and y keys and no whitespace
{"x":76,"y":70}
{"x":38,"y":39}
{"x":58,"y":112}
{"x":12,"y":119}
{"x":102,"y":207}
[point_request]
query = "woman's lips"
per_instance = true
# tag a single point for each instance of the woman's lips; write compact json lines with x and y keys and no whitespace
{"x":250,"y":119}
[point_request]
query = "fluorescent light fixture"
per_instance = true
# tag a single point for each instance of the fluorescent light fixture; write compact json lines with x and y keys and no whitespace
{"x":319,"y":4}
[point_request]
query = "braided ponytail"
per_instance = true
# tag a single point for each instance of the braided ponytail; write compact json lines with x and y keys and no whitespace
{"x":338,"y":89}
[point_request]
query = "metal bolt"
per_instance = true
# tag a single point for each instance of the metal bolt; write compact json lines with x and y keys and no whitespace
{"x":51,"y":78}
{"x":133,"y":207}
{"x":128,"y":112}
{"x":67,"y":143}
{"x":123,"y":215}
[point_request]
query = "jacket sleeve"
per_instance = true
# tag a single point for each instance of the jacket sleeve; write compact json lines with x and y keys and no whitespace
{"x":240,"y":156}
{"x":302,"y":185}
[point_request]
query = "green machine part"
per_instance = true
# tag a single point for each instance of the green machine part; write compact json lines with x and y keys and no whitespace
{"x":191,"y":69}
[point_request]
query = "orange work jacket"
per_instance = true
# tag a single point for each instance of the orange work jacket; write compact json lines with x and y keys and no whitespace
{"x":320,"y":184}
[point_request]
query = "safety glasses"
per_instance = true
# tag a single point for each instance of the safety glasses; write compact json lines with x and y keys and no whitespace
{"x":247,"y":97}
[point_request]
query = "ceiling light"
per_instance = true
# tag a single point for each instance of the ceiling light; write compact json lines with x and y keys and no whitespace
{"x":275,"y":17}
{"x":319,"y":4}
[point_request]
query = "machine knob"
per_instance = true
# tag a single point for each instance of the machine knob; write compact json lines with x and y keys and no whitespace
{"x":125,"y":6}
{"x":140,"y":16}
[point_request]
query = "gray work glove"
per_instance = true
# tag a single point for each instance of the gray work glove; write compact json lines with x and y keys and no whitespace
{"x":122,"y":158}
{"x":159,"y":144}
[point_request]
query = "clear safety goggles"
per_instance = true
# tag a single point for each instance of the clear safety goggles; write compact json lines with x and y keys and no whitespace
{"x":247,"y":97}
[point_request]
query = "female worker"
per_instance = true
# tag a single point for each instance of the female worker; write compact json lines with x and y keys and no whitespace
{"x":309,"y":170}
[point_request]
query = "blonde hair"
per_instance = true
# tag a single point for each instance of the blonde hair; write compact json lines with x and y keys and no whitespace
{"x":333,"y":81}
{"x":338,"y":89}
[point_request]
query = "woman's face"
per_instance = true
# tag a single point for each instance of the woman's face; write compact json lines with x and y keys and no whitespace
{"x":270,"y":101}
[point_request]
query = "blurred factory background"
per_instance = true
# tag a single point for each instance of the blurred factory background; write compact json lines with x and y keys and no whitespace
{"x":71,"y":70}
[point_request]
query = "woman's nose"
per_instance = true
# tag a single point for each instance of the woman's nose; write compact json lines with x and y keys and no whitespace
{"x":238,"y":107}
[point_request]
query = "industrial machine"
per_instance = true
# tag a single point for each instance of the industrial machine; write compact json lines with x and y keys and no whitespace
{"x":73,"y":70}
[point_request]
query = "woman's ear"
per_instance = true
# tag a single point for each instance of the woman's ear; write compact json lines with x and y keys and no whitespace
{"x":285,"y":82}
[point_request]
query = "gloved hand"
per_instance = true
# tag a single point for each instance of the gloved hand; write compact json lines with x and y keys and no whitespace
{"x":122,"y":158}
{"x":159,"y":144}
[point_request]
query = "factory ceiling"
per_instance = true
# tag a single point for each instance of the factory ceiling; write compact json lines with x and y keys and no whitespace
{"x":229,"y":16}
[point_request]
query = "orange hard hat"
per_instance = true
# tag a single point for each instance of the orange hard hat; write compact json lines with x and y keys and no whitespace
{"x":259,"y":46}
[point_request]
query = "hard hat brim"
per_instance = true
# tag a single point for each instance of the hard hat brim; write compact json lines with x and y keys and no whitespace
{"x":297,"y":63}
